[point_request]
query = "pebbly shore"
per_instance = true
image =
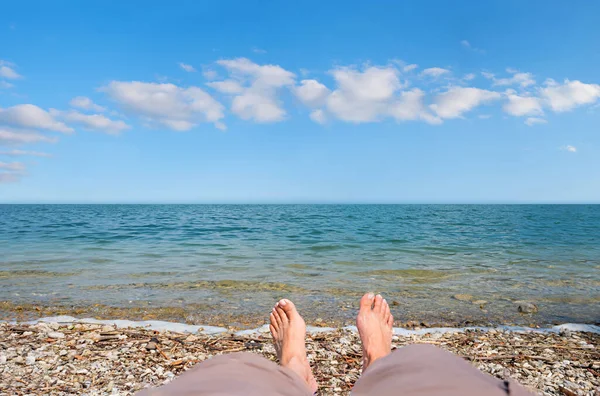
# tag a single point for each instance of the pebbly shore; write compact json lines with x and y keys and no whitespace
{"x":98,"y":359}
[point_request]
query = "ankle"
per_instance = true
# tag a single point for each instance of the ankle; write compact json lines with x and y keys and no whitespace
{"x":293,"y":360}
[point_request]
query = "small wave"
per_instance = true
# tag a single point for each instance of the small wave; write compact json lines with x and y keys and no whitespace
{"x":324,"y":248}
{"x":397,"y":241}
{"x":33,"y":274}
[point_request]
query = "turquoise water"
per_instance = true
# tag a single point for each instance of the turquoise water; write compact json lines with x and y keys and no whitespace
{"x":219,"y":261}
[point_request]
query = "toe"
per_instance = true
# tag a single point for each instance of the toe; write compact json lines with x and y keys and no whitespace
{"x":366,"y":302}
{"x":378,"y":305}
{"x":386,"y":307}
{"x":287,"y":306}
{"x":390,"y":321}
{"x":277,"y":318}
{"x":273,"y":319}
{"x":282,"y":315}
{"x":273,"y":331}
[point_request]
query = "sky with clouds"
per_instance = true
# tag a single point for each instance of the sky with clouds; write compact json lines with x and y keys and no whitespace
{"x":318,"y":102}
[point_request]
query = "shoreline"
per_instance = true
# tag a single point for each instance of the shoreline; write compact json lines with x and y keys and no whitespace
{"x":160,"y":325}
{"x":240,"y":318}
{"x":101,"y":359}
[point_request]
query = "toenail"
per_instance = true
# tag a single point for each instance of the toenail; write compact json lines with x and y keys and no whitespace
{"x":371,"y":296}
{"x":282,"y":303}
{"x":384,"y":301}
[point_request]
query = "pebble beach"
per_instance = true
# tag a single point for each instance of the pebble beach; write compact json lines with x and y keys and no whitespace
{"x":100,"y":359}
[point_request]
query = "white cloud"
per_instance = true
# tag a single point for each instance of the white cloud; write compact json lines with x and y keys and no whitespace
{"x":469,"y":77}
{"x":258,"y":107}
{"x":570,"y":94}
{"x":265,"y":75}
{"x":96,"y":122}
{"x":186,"y":67}
{"x":20,"y":153}
{"x":9,"y":177}
{"x":372,"y":84}
{"x":11,"y":171}
{"x":311,"y":92}
{"x":209,"y":74}
{"x":226,"y":86}
{"x":85,"y":103}
{"x":488,"y":75}
{"x":531,"y":121}
{"x":410,"y":107}
{"x":468,"y":46}
{"x":435,"y":72}
{"x":523,"y":105}
{"x":12,"y":166}
{"x":522,"y":79}
{"x":459,"y":100}
{"x":569,"y":148}
{"x":368,"y":95}
{"x":484,"y":116}
{"x":258,"y":101}
{"x":7,"y":71}
{"x":5,"y":85}
{"x":318,"y":116}
{"x":363,"y":96}
{"x":258,"y":50}
{"x":409,"y":68}
{"x":31,"y":116}
{"x":172,"y":106}
{"x":10,"y":136}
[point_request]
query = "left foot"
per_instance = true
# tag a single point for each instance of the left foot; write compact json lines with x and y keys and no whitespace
{"x":289,"y":332}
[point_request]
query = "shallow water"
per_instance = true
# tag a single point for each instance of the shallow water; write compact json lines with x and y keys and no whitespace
{"x":239,"y":259}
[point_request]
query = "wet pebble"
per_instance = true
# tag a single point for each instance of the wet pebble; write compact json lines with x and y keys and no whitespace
{"x":526,"y":307}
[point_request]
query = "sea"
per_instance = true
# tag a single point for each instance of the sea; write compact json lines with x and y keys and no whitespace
{"x":534,"y":265}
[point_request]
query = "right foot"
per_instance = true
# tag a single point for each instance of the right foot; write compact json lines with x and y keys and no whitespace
{"x":375,"y":326}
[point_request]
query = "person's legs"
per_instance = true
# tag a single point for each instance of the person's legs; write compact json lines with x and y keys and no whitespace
{"x":416,"y":369}
{"x":249,"y":374}
{"x":234,"y":374}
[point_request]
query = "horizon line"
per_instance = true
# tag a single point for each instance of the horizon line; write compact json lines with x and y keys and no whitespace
{"x":304,"y":203}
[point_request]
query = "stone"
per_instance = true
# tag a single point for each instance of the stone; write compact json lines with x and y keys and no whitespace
{"x":110,"y":386}
{"x":56,"y":335}
{"x":30,"y":360}
{"x":191,"y":338}
{"x":479,"y":302}
{"x":463,"y":297}
{"x":151,"y":346}
{"x":526,"y":307}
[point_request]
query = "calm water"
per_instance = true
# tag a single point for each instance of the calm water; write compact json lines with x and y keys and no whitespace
{"x":221,"y":262}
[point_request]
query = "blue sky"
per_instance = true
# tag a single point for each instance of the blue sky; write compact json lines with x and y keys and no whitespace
{"x":231,"y":101}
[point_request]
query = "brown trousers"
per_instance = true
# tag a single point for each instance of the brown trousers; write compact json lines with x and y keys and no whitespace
{"x":419,"y":370}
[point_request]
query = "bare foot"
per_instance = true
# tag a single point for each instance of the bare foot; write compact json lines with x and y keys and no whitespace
{"x":374,"y":322}
{"x":289,"y":332}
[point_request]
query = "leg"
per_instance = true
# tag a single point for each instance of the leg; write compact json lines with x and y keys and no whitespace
{"x":289,"y":335}
{"x":234,"y":374}
{"x":418,"y":370}
{"x":425,"y":370}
